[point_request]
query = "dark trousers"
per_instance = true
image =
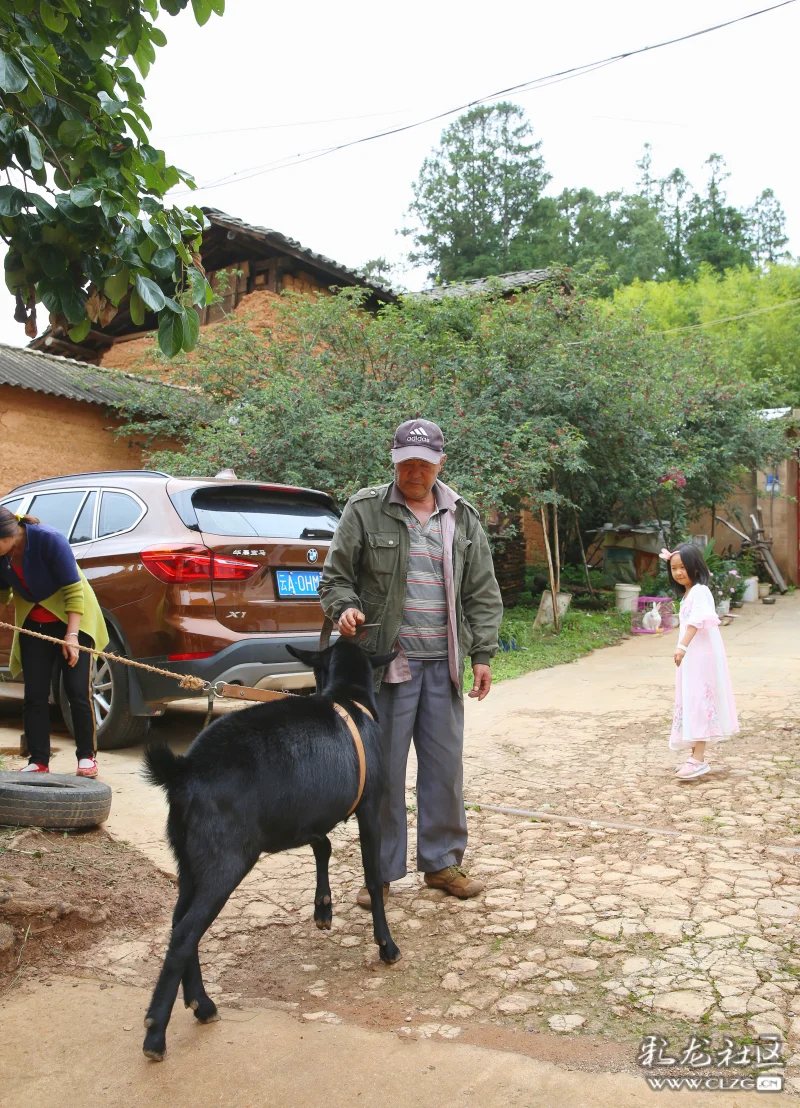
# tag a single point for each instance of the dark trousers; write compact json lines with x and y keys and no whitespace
{"x":38,"y":660}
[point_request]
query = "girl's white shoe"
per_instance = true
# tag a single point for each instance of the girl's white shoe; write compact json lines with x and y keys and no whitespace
{"x":692,"y":768}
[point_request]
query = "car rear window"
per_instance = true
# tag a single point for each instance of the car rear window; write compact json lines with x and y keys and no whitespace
{"x":245,"y":513}
{"x":118,"y":512}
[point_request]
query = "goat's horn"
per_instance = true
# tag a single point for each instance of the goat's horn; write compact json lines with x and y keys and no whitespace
{"x":325,"y":633}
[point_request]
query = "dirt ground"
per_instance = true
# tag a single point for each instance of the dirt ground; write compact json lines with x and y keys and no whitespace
{"x":58,"y":890}
{"x":619,"y":903}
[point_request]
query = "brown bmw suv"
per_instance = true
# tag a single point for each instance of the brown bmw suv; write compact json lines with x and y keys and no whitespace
{"x":208,"y":576}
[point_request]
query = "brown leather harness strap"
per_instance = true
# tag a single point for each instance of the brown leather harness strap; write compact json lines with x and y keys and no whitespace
{"x":240,"y":692}
{"x":358,"y":744}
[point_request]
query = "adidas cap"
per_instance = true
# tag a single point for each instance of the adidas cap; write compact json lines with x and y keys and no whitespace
{"x":418,"y":438}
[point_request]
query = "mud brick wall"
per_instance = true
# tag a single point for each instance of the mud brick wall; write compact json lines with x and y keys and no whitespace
{"x":534,"y":538}
{"x":259,"y":309}
{"x":48,"y":436}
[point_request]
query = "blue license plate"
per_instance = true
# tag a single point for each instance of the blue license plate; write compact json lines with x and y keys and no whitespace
{"x":297,"y":583}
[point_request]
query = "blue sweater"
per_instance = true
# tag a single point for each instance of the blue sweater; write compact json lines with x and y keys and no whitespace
{"x":47,"y":563}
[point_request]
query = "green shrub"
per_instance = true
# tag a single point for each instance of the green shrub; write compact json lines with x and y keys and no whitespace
{"x":581,"y":633}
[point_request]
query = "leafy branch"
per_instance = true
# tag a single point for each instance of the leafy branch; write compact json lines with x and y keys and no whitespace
{"x":96,"y":230}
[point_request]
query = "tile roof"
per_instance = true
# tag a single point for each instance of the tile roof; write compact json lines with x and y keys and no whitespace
{"x":57,"y":376}
{"x":504,"y":282}
{"x":233,"y":223}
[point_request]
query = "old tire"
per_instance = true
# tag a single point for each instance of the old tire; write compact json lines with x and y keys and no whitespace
{"x":52,"y":800}
{"x":116,"y":727}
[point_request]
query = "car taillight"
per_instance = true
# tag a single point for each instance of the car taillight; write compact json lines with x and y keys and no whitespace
{"x":181,"y":565}
{"x":233,"y":569}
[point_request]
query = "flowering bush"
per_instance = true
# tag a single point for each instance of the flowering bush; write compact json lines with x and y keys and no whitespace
{"x":727,"y":584}
{"x":673,"y":479}
{"x":727,"y":579}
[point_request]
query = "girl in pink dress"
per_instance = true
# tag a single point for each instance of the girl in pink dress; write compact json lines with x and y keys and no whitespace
{"x":705,"y":711}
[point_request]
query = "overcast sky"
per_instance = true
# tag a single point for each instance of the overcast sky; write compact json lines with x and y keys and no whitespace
{"x":258,"y":82}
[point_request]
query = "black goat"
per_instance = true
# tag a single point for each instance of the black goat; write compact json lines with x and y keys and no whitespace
{"x":269,"y":778}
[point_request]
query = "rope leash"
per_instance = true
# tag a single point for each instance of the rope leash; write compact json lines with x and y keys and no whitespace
{"x":186,"y":680}
{"x":222,"y":689}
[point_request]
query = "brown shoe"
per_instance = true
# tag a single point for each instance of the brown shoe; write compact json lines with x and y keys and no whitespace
{"x":454,"y":881}
{"x":363,"y":899}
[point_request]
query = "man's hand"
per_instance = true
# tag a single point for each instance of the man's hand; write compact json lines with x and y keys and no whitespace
{"x":481,"y":681}
{"x":349,"y":621}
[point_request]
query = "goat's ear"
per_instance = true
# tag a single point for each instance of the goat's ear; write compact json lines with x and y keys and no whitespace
{"x":307,"y":657}
{"x":379,"y":660}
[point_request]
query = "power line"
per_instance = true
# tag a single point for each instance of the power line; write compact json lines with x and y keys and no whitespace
{"x":708,"y":323}
{"x":312,"y":155}
{"x":278,"y":126}
{"x":525,"y":86}
{"x":729,"y":318}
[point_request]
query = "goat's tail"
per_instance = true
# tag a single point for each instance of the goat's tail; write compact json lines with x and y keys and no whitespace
{"x":164,"y":768}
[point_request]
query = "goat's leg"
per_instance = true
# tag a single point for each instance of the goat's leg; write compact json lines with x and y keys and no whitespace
{"x":194,"y":993}
{"x":206,"y":905}
{"x":323,"y":910}
{"x":369,"y":830}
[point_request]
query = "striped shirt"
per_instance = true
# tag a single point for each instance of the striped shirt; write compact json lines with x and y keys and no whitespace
{"x":423,"y":633}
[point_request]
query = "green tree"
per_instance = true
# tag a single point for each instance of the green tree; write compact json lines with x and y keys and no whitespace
{"x":716,"y":233}
{"x":83,"y":212}
{"x":622,"y":230}
{"x":317,"y":400}
{"x":379,"y":269}
{"x":767,"y":228}
{"x":480,"y":210}
{"x":547,"y":397}
{"x":758,"y":311}
{"x":675,"y":212}
{"x":648,"y":185}
{"x":475,"y":193}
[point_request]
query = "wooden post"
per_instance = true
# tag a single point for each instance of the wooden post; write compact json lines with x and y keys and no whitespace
{"x":556,"y":543}
{"x":550,"y":567}
{"x":583,"y":555}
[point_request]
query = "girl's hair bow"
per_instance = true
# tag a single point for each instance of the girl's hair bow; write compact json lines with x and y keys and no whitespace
{"x":665,"y":554}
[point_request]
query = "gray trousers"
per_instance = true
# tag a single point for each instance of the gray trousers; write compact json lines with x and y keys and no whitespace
{"x":428,"y":709}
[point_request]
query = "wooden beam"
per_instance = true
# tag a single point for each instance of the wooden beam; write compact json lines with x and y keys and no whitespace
{"x":101,"y":336}
{"x":293,"y":252}
{"x":70,"y":349}
{"x":274,"y":276}
{"x":132,"y":335}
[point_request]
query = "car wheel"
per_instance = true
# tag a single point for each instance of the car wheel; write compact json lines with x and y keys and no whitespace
{"x":116,"y":727}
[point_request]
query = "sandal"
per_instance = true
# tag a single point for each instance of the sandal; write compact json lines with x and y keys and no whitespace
{"x":692,"y":768}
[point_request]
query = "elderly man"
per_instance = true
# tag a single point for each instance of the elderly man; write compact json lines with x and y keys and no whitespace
{"x":411,"y":561}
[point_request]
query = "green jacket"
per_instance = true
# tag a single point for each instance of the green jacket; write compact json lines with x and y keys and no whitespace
{"x":367,"y":566}
{"x":62,"y":601}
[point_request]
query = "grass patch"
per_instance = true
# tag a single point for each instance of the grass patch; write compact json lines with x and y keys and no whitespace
{"x":581,"y":633}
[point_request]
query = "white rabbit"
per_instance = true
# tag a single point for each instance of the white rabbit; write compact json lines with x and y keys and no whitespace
{"x":652,"y":619}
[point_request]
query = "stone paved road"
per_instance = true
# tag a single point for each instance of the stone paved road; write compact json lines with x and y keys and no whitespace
{"x":589,"y":935}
